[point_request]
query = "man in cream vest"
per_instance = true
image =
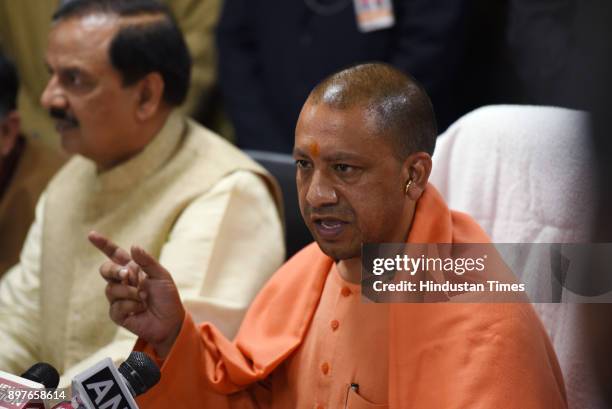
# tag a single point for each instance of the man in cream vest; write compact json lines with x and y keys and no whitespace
{"x":143,"y":174}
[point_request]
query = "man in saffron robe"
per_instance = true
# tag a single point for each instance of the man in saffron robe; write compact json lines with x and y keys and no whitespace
{"x":363,"y":149}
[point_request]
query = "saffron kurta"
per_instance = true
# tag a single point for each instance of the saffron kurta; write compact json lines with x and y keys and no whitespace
{"x":291,"y":353}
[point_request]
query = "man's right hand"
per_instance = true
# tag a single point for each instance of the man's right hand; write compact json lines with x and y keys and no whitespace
{"x":143,"y":297}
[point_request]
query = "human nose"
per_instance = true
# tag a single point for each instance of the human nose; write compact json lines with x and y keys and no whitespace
{"x":52,"y":96}
{"x":321,"y":191}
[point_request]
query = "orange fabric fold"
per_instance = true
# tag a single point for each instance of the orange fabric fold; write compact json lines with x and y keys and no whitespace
{"x":440,"y":355}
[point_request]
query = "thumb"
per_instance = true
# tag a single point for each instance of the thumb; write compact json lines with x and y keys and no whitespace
{"x":148,"y":264}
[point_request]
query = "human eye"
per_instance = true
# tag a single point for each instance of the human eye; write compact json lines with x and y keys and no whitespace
{"x":73,"y":78}
{"x":343,"y":168}
{"x":302,"y":164}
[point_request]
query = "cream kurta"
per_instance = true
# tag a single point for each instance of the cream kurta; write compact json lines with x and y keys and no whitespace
{"x":193,"y":200}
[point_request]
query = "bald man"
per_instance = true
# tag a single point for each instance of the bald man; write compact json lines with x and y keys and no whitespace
{"x":363,"y":148}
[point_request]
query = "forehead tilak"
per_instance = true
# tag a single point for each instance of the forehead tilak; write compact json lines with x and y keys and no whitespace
{"x":315,"y":149}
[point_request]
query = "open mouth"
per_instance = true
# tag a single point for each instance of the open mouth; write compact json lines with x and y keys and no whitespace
{"x":329,"y":228}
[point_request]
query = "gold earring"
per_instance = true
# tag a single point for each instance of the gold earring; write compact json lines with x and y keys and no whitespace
{"x":408,"y":184}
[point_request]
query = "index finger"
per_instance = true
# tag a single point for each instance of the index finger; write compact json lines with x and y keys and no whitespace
{"x":106,"y":246}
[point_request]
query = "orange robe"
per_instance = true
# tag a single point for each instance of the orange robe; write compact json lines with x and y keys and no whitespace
{"x":442,"y":355}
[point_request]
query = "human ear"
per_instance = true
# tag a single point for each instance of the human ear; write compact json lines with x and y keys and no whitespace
{"x":150,"y":96}
{"x":415,"y":171}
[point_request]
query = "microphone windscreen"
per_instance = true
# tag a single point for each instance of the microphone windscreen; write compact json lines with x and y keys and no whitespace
{"x":140,"y":372}
{"x":44,"y":373}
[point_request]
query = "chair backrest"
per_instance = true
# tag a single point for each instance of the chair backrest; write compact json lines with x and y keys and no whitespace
{"x":524,"y":173}
{"x":521,"y":171}
{"x":282,"y":167}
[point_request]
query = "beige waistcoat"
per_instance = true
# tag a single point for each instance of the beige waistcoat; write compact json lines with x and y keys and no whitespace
{"x":134,"y":203}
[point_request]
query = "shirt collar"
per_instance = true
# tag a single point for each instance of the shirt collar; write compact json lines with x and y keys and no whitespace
{"x":152,"y":157}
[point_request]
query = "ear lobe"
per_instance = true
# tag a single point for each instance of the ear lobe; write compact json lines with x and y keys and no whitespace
{"x":418,"y":169}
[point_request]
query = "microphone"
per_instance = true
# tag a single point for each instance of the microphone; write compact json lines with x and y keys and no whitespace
{"x":105,"y":387}
{"x":27,"y":390}
{"x":44,"y":373}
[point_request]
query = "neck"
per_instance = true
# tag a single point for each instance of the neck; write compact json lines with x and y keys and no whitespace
{"x":350,"y":269}
{"x":144,"y":135}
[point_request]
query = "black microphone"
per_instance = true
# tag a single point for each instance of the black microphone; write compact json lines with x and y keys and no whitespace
{"x":104,"y":386}
{"x":140,"y":373}
{"x":27,"y":390}
{"x":43,"y":373}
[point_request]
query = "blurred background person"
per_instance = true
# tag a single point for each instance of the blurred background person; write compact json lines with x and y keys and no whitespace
{"x":26,"y":165}
{"x":592,"y":80}
{"x":271,"y":54}
{"x":24,"y":26}
{"x":561,"y":54}
{"x":536,"y":52}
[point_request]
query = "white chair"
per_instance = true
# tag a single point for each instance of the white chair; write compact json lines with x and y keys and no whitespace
{"x":523,"y":172}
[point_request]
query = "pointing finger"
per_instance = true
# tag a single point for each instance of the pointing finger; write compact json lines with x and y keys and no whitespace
{"x":106,"y":246}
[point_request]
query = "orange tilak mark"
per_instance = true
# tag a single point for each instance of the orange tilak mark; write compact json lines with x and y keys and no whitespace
{"x":314,"y":149}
